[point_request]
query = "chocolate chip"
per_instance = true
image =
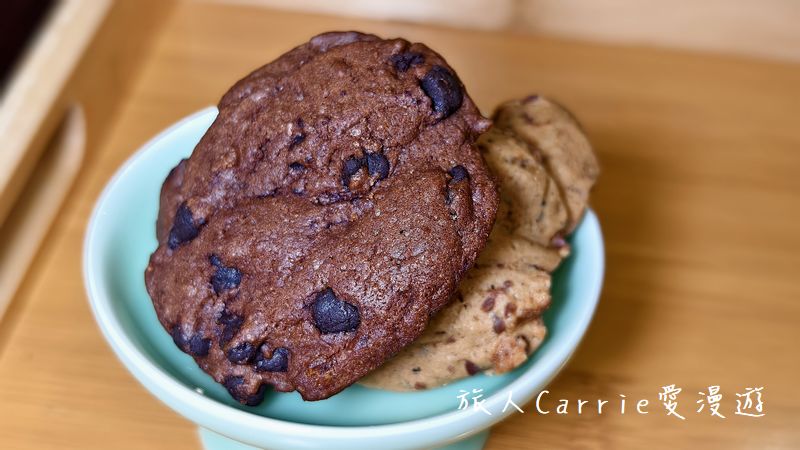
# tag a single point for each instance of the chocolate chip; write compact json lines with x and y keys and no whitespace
{"x":184,"y":227}
{"x":234,"y":386}
{"x":178,"y":337}
{"x":198,"y":345}
{"x":416,"y":369}
{"x":242,"y":353}
{"x":258,"y":397}
{"x":296,"y":140}
{"x":488,"y":303}
{"x":444,"y":90}
{"x":498,"y":324}
{"x":349,"y":168}
{"x":525,"y":342}
{"x":278,"y":362}
{"x":511,"y":308}
{"x":420,"y":386}
{"x":402,"y":61}
{"x":230,"y":326}
{"x":471,"y":367}
{"x":558,"y":241}
{"x":195,"y":345}
{"x":458,"y":173}
{"x":332,"y":315}
{"x":297,"y":166}
{"x":377,"y":164}
{"x":224,"y":278}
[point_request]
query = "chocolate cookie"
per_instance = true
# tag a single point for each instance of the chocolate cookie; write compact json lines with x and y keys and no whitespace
{"x":329,"y":211}
{"x":545,"y":168}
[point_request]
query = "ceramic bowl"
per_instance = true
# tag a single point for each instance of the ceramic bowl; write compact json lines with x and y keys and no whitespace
{"x":119,"y":240}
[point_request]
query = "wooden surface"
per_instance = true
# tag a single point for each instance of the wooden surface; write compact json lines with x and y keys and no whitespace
{"x":80,"y":63}
{"x":698,"y":200}
{"x":761,"y":28}
{"x":35,"y":88}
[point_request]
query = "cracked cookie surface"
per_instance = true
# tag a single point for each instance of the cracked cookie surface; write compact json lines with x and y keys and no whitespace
{"x":329,"y":211}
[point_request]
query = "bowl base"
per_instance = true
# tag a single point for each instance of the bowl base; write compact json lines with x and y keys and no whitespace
{"x":215,"y":441}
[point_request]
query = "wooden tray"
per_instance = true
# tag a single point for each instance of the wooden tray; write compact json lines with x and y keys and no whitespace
{"x":698,"y":200}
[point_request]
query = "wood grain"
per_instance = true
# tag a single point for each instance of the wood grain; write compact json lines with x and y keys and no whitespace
{"x":26,"y":114}
{"x":83,"y":59}
{"x":698,"y":200}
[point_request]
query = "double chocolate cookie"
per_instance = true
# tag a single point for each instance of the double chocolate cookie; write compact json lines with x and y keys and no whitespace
{"x":545,"y":168}
{"x":329,"y":211}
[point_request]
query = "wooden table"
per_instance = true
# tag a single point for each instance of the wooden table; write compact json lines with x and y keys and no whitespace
{"x":698,"y":199}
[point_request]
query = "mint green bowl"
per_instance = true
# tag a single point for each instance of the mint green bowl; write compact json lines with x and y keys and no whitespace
{"x":119,"y":240}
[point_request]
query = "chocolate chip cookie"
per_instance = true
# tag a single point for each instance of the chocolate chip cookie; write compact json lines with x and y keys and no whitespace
{"x":545,"y":168}
{"x":329,"y":211}
{"x":557,"y":139}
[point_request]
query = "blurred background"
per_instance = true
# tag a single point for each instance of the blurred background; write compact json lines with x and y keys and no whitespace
{"x":691,"y":105}
{"x":47,"y":44}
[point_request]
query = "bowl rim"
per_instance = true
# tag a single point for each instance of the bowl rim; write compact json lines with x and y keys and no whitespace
{"x":434,"y":430}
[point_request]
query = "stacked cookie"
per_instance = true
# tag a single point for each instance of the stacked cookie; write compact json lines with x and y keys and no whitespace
{"x":545,"y":167}
{"x":331,"y":209}
{"x":331,"y":216}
